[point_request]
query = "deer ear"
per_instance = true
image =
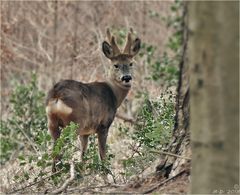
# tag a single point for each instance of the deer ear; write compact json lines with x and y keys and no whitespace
{"x":136,"y":45}
{"x":107,"y":49}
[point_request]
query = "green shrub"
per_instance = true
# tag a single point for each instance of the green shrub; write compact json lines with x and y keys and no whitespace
{"x":155,"y":122}
{"x":164,"y":69}
{"x":26,"y":124}
{"x":93,"y":163}
{"x":153,"y":130}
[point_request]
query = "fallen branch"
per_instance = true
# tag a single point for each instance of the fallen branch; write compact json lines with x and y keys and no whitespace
{"x":68,"y":181}
{"x":170,"y":154}
{"x":162,"y":183}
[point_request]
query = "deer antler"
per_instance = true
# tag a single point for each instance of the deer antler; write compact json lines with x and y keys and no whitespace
{"x":131,"y":48}
{"x":112,"y":42}
{"x":127,"y":48}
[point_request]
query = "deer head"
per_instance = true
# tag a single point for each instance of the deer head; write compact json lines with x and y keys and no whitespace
{"x":122,"y":60}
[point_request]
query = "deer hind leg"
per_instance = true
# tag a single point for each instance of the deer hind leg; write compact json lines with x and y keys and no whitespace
{"x":84,"y":144}
{"x":53,"y":127}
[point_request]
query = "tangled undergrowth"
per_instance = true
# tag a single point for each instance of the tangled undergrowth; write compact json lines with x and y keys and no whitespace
{"x":26,"y":142}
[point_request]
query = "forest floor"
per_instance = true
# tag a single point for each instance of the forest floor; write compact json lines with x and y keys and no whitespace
{"x":144,"y":183}
{"x":152,"y":184}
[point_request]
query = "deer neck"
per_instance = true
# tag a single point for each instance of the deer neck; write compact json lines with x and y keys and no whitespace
{"x":119,"y":91}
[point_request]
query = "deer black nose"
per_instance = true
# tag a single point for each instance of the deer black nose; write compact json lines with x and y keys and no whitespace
{"x":126,"y":78}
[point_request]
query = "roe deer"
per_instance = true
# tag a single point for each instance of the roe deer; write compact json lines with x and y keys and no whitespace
{"x":93,"y":105}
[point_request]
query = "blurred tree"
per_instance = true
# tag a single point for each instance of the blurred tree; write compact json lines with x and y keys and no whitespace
{"x":211,"y":57}
{"x":214,"y":63}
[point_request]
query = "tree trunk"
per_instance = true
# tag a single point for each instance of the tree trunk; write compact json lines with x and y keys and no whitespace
{"x":213,"y":60}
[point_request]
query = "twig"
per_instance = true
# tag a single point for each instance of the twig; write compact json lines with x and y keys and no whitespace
{"x":123,"y":192}
{"x":40,"y":46}
{"x":170,"y":154}
{"x":28,"y":138}
{"x":75,"y":146}
{"x":68,"y":181}
{"x":84,"y":189}
{"x":130,"y":120}
{"x":135,"y":150}
{"x":34,"y":183}
{"x":165,"y":181}
{"x":19,"y":45}
{"x":27,"y":59}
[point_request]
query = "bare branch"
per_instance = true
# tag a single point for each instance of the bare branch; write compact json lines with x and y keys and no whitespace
{"x":99,"y":40}
{"x":170,"y":154}
{"x":18,"y":45}
{"x":68,"y":181}
{"x":38,"y":28}
{"x":36,"y":182}
{"x":125,"y":118}
{"x":42,"y":49}
{"x":28,"y":60}
{"x":164,"y":182}
{"x":29,"y":139}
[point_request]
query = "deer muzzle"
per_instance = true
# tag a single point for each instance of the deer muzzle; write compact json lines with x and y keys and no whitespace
{"x":126,"y":78}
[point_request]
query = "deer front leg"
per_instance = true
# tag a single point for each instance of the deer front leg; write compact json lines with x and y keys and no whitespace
{"x":102,"y":140}
{"x":84,"y":144}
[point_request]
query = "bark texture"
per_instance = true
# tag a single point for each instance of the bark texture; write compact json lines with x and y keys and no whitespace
{"x":214,"y":64}
{"x":180,"y":143}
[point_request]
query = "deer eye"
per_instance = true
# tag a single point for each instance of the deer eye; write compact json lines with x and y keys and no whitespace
{"x":116,"y":65}
{"x":130,"y":64}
